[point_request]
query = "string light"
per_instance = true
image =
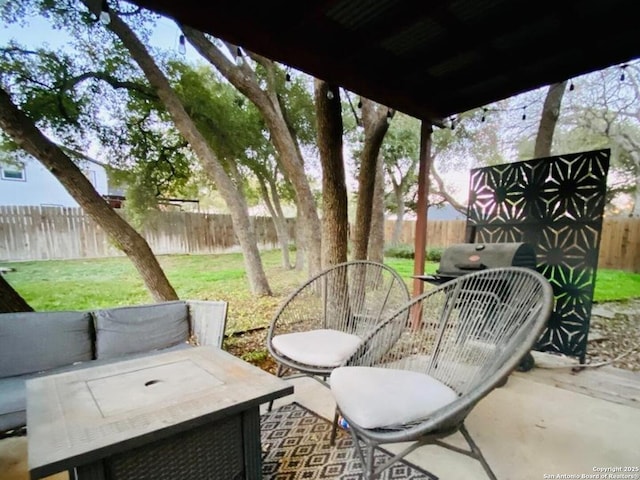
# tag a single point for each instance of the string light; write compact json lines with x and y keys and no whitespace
{"x":453,"y":123}
{"x":239,"y":59}
{"x":330,"y":95}
{"x":104,"y":16}
{"x":524,"y":112}
{"x":622,"y":73}
{"x":182,"y":45}
{"x":389,"y":116}
{"x":484,"y":114}
{"x":571,"y":86}
{"x":287,"y":78}
{"x":360,"y":103}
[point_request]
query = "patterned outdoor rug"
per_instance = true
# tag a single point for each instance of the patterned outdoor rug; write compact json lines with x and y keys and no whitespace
{"x":296,"y":445}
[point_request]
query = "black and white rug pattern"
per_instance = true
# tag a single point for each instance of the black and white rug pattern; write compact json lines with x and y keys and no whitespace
{"x":295,"y":444}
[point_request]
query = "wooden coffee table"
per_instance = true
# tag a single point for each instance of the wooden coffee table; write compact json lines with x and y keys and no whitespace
{"x":190,"y":414}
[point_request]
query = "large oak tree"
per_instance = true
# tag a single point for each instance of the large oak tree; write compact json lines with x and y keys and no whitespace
{"x":264,"y":96}
{"x":27,"y":136}
{"x":236,"y":203}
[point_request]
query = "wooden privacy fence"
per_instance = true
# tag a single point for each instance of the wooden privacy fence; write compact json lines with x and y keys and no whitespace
{"x":43,"y":233}
{"x":619,"y":246}
{"x":440,"y":233}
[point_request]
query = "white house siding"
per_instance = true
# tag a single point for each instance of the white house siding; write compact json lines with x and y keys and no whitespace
{"x":41,"y":187}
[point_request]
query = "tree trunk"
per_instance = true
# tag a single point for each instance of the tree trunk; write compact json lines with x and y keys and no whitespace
{"x":374,"y":119}
{"x":244,"y":79}
{"x":300,"y":248}
{"x":334,"y":189}
{"x":27,"y":136}
{"x":376,"y":239}
{"x":397,"y":227}
{"x":548,"y":119}
{"x":279,"y":222}
{"x":235,"y":201}
{"x":10,"y":300}
{"x":635,"y":211}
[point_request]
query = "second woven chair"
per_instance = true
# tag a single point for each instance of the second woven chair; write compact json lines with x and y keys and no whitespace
{"x":416,"y":379}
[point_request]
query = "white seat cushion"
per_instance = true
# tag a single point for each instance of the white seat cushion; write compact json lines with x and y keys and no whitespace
{"x":384,"y":397}
{"x":320,"y":348}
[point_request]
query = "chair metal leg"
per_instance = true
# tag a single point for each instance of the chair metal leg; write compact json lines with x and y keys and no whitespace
{"x":367,"y":463}
{"x":334,"y":428}
{"x":477,"y":454}
{"x":370,"y":473}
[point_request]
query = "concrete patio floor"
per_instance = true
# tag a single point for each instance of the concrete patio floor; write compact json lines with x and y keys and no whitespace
{"x":542,"y":422}
{"x":551,"y":422}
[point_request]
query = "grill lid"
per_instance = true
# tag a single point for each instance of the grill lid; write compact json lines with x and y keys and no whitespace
{"x":462,"y":258}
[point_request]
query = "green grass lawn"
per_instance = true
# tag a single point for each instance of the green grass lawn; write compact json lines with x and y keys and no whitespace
{"x":88,"y":284}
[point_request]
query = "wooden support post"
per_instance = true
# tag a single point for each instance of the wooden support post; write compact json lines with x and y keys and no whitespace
{"x":423,"y":203}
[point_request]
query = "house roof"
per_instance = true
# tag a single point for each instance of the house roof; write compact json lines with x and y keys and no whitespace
{"x":427,"y":58}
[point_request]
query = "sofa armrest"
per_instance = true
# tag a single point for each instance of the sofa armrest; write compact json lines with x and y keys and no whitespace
{"x":208,"y":320}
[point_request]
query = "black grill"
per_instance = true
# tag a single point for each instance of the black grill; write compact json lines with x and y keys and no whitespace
{"x":463,"y":258}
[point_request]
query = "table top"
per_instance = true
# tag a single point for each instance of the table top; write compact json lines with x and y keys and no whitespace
{"x":78,"y":417}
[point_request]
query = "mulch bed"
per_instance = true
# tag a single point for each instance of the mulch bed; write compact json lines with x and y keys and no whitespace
{"x":252,"y":347}
{"x":612,"y":337}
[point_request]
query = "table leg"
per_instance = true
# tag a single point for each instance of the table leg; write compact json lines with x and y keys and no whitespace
{"x":251,"y":444}
{"x":93,"y":471}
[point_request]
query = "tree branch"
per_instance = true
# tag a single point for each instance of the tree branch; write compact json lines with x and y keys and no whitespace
{"x":442,"y":191}
{"x":111,"y":80}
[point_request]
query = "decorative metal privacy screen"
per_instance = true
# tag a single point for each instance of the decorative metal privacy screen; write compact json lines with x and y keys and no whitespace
{"x":555,"y":204}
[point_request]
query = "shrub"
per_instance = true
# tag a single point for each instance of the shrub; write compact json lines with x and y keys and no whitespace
{"x":434,"y":254}
{"x":399,"y":251}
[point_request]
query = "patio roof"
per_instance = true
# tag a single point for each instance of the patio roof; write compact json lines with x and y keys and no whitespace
{"x":429,"y":59}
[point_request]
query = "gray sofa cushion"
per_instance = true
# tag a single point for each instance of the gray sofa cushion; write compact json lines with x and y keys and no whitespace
{"x":142,"y":328}
{"x":13,"y":402}
{"x":36,"y":341}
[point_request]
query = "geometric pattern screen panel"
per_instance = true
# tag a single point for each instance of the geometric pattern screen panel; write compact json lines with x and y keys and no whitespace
{"x":556,"y":205}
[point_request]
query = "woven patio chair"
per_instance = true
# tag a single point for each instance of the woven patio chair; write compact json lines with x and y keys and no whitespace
{"x":323,"y":322}
{"x":418,"y":376}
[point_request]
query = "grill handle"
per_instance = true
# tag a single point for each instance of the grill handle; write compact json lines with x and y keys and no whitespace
{"x":470,"y":266}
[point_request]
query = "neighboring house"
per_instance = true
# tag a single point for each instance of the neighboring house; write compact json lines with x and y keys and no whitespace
{"x":444,"y":212}
{"x":28,"y":182}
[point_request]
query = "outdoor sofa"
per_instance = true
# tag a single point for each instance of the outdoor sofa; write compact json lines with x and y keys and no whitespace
{"x":41,"y":343}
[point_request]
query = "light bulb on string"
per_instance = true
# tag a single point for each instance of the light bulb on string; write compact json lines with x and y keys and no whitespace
{"x":239,"y":59}
{"x":360,"y":103}
{"x":287,"y":79}
{"x":524,"y":112}
{"x":571,"y":86}
{"x":484,"y":114}
{"x":104,"y":16}
{"x":389,"y":116}
{"x":622,"y":73}
{"x":453,"y":123}
{"x":330,"y":95}
{"x":182,"y":45}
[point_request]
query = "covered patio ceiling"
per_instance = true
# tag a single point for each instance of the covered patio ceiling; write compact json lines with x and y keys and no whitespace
{"x":429,"y":59}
